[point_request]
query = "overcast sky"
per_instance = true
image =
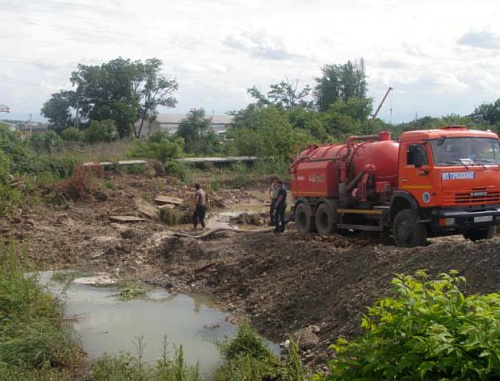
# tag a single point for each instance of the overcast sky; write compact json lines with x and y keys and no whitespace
{"x":440,"y":56}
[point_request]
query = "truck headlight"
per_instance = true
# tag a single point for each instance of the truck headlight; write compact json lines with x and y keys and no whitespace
{"x":446,"y":221}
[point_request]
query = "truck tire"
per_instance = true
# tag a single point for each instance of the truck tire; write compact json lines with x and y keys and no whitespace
{"x":325,"y":219}
{"x":480,"y":233}
{"x":303,"y":218}
{"x":407,"y":231}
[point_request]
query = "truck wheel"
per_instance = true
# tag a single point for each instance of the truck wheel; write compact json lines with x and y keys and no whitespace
{"x":407,"y":231}
{"x":480,"y":233}
{"x":302,"y":217}
{"x":325,"y":219}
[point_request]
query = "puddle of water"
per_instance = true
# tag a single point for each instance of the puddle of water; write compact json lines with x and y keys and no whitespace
{"x":105,"y":324}
{"x":223,"y":219}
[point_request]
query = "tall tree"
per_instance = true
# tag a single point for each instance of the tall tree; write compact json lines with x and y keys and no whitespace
{"x":284,"y":95}
{"x":123,"y":91}
{"x":266,"y":132}
{"x":152,"y":90}
{"x":57,"y":110}
{"x":105,"y":92}
{"x":488,"y":113}
{"x":198,"y":135}
{"x":340,"y":83}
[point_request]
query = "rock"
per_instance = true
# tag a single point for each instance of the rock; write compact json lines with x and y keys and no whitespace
{"x":248,"y":219}
{"x":146,"y":209}
{"x":306,"y":338}
{"x":100,"y":279}
{"x":128,"y":234}
{"x":232,"y":320}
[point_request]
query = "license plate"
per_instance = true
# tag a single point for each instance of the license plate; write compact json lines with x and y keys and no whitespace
{"x":483,"y":219}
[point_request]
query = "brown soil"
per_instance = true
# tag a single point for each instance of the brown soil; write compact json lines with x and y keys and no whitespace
{"x":281,"y":282}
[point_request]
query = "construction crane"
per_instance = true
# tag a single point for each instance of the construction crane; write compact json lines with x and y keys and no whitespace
{"x":381,"y":103}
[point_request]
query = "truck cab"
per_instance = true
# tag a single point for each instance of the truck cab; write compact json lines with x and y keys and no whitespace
{"x":448,"y":183}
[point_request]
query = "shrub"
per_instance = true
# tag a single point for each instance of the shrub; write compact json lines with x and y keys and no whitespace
{"x":79,"y":186}
{"x":180,"y":170}
{"x":160,"y":145}
{"x":47,"y":142}
{"x":429,"y":331}
{"x":134,"y":169}
{"x":72,"y":134}
{"x":100,"y":131}
{"x":12,"y":146}
{"x":247,"y":342}
{"x":248,"y":358}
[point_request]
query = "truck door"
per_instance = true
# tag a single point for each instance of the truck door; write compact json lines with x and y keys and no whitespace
{"x":415,"y":173}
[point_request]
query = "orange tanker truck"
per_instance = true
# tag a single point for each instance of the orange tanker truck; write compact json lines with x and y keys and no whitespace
{"x":430,"y":183}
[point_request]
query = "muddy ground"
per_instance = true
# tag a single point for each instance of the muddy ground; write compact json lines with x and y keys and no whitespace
{"x":281,"y":282}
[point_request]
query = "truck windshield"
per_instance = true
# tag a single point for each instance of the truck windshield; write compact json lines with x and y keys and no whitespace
{"x":465,"y":151}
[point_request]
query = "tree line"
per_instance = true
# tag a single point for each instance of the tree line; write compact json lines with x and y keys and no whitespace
{"x":115,"y":100}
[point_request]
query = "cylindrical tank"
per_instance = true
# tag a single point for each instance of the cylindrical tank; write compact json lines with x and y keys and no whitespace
{"x":381,"y":153}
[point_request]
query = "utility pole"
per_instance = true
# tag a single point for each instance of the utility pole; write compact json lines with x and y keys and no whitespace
{"x":77,"y":116}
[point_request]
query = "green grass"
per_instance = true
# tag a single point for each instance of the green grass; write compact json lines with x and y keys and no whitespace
{"x":131,"y":368}
{"x":248,"y":358}
{"x":32,"y":343}
{"x":131,"y":289}
{"x":98,"y":152}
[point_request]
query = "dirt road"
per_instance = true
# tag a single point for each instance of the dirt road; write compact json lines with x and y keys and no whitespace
{"x":281,"y":282}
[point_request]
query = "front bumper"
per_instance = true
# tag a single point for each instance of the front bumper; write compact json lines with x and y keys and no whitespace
{"x":452,"y":219}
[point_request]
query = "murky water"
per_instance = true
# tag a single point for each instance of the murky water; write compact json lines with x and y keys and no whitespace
{"x":105,"y":324}
{"x":222,"y":220}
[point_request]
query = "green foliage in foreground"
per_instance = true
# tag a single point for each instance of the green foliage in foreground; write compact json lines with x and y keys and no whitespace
{"x":131,"y":368}
{"x":32,"y":344}
{"x":248,"y":358}
{"x":429,"y":331}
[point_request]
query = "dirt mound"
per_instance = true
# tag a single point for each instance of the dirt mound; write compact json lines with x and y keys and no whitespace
{"x":287,"y":282}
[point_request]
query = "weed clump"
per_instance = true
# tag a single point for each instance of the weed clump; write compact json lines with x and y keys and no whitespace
{"x":131,"y":289}
{"x":80,"y":185}
{"x":247,"y":342}
{"x":248,"y":358}
{"x":128,"y":367}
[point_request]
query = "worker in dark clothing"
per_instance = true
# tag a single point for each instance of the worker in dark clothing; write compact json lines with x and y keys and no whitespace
{"x":273,"y":195}
{"x":280,"y":207}
{"x":200,"y":205}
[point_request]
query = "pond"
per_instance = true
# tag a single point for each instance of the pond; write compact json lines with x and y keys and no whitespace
{"x":106,"y":324}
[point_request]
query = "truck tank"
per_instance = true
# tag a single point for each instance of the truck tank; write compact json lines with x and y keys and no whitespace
{"x":318,"y":170}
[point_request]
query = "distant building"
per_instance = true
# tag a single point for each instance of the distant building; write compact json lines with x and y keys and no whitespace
{"x":11,"y":126}
{"x":170,"y":123}
{"x":31,"y":128}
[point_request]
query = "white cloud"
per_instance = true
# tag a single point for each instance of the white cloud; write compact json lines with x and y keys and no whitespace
{"x":482,"y":39}
{"x":259,"y":44}
{"x":441,"y":56}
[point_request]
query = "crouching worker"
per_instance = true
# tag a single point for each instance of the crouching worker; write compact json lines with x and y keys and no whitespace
{"x":280,"y":208}
{"x":200,"y":206}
